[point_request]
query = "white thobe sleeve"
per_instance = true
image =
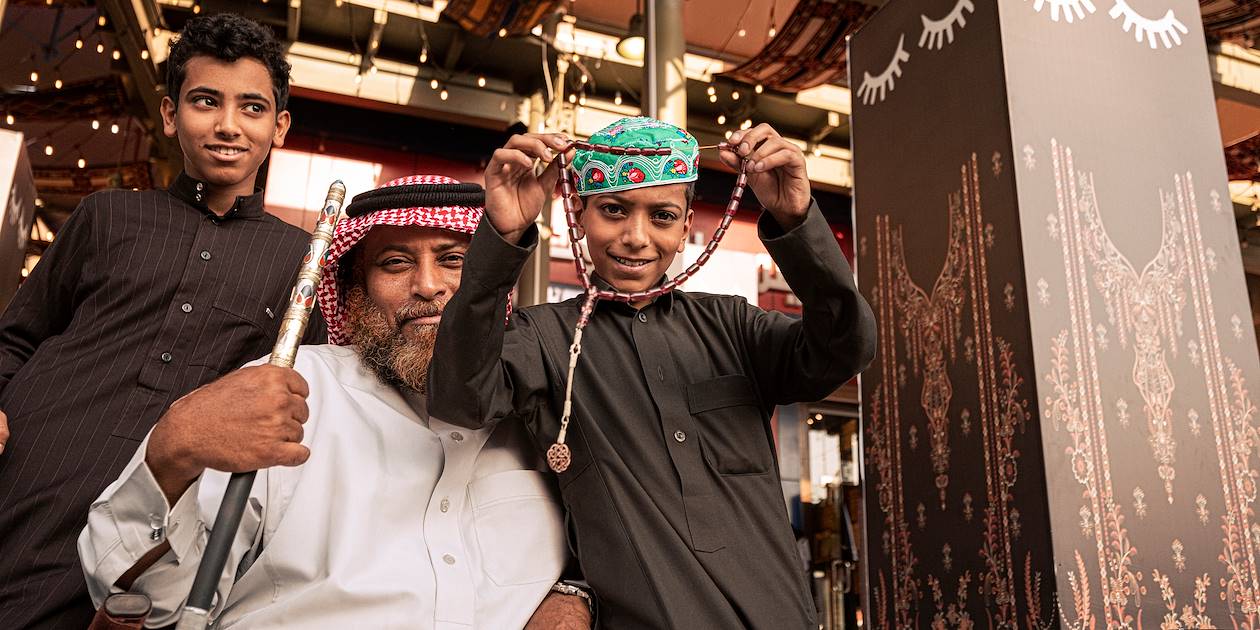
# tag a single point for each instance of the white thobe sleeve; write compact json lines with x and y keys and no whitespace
{"x":132,"y":516}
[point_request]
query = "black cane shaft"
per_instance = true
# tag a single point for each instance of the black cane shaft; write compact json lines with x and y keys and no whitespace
{"x":220,"y":544}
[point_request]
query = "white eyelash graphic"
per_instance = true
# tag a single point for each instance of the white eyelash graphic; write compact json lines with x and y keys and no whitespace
{"x":876,"y":88}
{"x":1068,"y":7}
{"x":937,"y":33}
{"x":1166,"y":27}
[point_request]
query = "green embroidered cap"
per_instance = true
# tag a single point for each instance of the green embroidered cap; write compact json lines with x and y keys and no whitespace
{"x":603,"y":172}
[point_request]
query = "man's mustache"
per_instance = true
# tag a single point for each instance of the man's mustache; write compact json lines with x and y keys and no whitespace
{"x":416,"y":309}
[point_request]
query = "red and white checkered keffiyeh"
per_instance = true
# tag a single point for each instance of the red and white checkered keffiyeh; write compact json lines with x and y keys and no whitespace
{"x":350,"y":231}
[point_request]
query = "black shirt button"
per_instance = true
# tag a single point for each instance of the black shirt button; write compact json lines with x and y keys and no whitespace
{"x":643,"y":317}
{"x":680,"y":437}
{"x":186,"y":307}
{"x":205,"y":255}
{"x":166,"y":357}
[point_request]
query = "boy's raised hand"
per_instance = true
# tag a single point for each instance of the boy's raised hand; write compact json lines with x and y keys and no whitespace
{"x":776,"y":173}
{"x":515,"y":193}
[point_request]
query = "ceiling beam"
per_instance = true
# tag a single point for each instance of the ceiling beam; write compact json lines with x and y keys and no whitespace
{"x":295,"y":20}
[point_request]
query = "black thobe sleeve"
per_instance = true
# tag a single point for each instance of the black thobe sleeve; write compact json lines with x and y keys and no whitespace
{"x":45,"y":303}
{"x":481,"y":369}
{"x":806,"y":359}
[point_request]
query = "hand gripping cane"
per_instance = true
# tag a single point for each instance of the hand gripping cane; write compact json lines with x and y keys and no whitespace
{"x":196,"y":615}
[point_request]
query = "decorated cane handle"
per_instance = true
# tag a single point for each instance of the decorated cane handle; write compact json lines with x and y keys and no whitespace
{"x":302,"y":299}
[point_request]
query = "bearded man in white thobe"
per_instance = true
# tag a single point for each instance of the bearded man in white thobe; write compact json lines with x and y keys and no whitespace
{"x":366,"y":511}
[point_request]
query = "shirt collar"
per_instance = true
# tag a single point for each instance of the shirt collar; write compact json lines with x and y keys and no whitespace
{"x":192,"y":192}
{"x":665,"y":301}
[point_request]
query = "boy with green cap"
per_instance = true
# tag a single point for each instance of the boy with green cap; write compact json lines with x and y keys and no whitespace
{"x":675,"y":507}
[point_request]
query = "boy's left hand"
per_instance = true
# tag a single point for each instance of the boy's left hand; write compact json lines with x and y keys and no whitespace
{"x":776,"y":172}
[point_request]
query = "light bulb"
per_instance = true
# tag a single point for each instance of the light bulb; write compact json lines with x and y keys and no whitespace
{"x":424,"y":55}
{"x":100,"y":21}
{"x":358,"y":78}
{"x":583,"y":79}
{"x":144,"y":54}
{"x":82,"y":163}
{"x":113,"y":128}
{"x":582,"y":100}
{"x":9,"y":119}
{"x":503,"y":32}
{"x":48,"y":150}
{"x":572,"y":98}
{"x":721,"y":119}
{"x":433,"y":84}
{"x":117,"y":54}
{"x":758,"y":89}
{"x":742,"y":32}
{"x":617,"y":98}
{"x":735,"y":96}
{"x":34,"y":76}
{"x":772,"y":31}
{"x":78,"y":44}
{"x":96,"y":124}
{"x":57,"y":84}
{"x":712,"y":90}
{"x":196,"y":8}
{"x":713,"y":98}
{"x":444,"y":94}
{"x":481,"y":82}
{"x":100,"y":48}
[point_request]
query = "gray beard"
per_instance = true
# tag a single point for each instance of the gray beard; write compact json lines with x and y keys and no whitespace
{"x":397,"y":359}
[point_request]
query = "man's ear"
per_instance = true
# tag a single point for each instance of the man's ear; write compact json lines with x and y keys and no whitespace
{"x":682,"y":244}
{"x":283,"y":120}
{"x":168,"y":117}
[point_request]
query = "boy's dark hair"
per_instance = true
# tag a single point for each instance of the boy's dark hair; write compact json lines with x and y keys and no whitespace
{"x":228,"y":37}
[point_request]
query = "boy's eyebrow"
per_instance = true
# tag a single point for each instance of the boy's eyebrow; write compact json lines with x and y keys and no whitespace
{"x":253,"y":96}
{"x":658,"y":204}
{"x":201,"y":89}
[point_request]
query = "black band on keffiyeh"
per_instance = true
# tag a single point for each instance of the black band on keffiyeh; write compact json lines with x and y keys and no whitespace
{"x":417,"y":196}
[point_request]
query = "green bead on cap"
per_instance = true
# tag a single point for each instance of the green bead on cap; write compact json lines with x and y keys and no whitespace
{"x":604,"y":172}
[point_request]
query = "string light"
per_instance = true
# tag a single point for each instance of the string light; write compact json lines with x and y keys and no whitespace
{"x":358,"y":78}
{"x":721,"y":119}
{"x":503,"y":32}
{"x":100,"y":48}
{"x":196,"y":9}
{"x":78,"y":43}
{"x":100,"y":21}
{"x":82,"y":163}
{"x":728,"y":134}
{"x":372,"y":69}
{"x":735,"y":95}
{"x":481,"y":82}
{"x":758,"y":89}
{"x":96,"y":124}
{"x":57,"y":84}
{"x":424,"y":55}
{"x":712,"y":98}
{"x":144,"y":54}
{"x":444,"y":94}
{"x":747,"y":124}
{"x":34,"y":76}
{"x":742,"y":32}
{"x":572,"y":98}
{"x":712,"y":90}
{"x":9,"y":119}
{"x":772,"y":31}
{"x":48,"y":149}
{"x":433,"y":84}
{"x":339,"y":3}
{"x":117,"y":54}
{"x":583,"y":79}
{"x":113,"y":128}
{"x":582,"y":100}
{"x":617,"y":98}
